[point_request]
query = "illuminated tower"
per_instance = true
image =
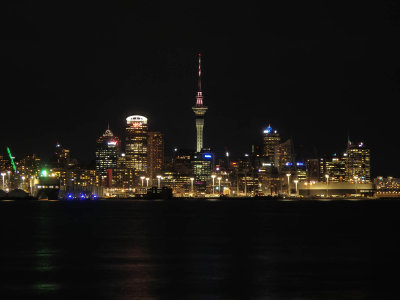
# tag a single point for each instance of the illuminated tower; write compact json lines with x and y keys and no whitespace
{"x":107,"y":152}
{"x":199,"y":110}
{"x":271,"y":141}
{"x":136,"y":144}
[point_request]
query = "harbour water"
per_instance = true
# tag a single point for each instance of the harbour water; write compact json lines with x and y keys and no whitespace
{"x":199,"y":249}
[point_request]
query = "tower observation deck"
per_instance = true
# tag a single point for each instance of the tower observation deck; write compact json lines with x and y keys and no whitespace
{"x":199,"y":111}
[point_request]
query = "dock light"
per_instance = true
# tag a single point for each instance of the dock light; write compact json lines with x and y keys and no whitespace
{"x":219,"y":184}
{"x":213,"y":182}
{"x":191,"y":183}
{"x":288,"y":182}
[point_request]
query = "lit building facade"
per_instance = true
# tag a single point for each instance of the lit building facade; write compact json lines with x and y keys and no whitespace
{"x":334,"y":167}
{"x":122,"y":177}
{"x":136,"y":144}
{"x":202,"y":165}
{"x":107,"y":152}
{"x":358,"y":163}
{"x":155,"y":148}
{"x":284,"y":156}
{"x":313,"y":169}
{"x":271,"y":141}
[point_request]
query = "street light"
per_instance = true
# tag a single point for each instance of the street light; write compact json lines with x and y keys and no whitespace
{"x":3,"y":174}
{"x":288,"y":182}
{"x":296,"y":182}
{"x":327,"y":182}
{"x":191,"y":183}
{"x":219,"y":185}
{"x":22,"y":183}
{"x":159,"y":181}
{"x":213,"y":179}
{"x":142,"y":178}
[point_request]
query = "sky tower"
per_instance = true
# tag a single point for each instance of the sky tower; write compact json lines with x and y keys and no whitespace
{"x":199,"y":110}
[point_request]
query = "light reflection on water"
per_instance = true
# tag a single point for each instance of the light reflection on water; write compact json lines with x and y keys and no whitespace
{"x":259,"y":249}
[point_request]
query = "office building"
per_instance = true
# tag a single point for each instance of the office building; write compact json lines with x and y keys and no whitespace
{"x":136,"y":144}
{"x":358,"y":163}
{"x":107,"y":152}
{"x":155,"y":148}
{"x":271,"y":141}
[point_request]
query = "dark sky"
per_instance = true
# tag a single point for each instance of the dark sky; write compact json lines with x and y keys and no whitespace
{"x":316,"y":71}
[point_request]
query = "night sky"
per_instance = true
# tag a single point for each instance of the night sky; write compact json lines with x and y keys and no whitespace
{"x":316,"y":71}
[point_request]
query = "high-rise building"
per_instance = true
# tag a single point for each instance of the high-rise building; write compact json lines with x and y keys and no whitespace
{"x":29,"y":166}
{"x":284,"y":158}
{"x":334,"y":167}
{"x":358,"y":163}
{"x":199,"y":110}
{"x":62,"y":156}
{"x":107,"y":151}
{"x":122,"y":177}
{"x":155,"y":150}
{"x":202,"y":163}
{"x":271,"y":141}
{"x":313,"y":169}
{"x":136,"y":144}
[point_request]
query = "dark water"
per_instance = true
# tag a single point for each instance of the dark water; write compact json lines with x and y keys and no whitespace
{"x":198,"y":249}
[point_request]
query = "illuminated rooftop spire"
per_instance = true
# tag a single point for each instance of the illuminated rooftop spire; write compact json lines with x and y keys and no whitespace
{"x":199,"y":97}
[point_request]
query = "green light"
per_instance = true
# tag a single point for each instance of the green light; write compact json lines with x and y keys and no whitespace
{"x":43,"y":173}
{"x":12,"y":160}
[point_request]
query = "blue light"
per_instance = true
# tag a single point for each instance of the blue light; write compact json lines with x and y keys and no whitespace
{"x":69,"y":196}
{"x":300,"y":164}
{"x":207,"y":156}
{"x":288,"y":164}
{"x":268,"y":130}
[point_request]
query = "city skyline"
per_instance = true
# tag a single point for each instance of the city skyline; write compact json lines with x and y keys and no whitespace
{"x":314,"y":83}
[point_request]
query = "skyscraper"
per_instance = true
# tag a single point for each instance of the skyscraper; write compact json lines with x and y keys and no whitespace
{"x":199,"y":110}
{"x":271,"y":141}
{"x":358,"y":163}
{"x":136,"y":144}
{"x":107,"y":151}
{"x":155,"y":153}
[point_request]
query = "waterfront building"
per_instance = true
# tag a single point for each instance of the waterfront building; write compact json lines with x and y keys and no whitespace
{"x":199,"y":110}
{"x":107,"y":152}
{"x":136,"y":144}
{"x":336,"y":189}
{"x":313,"y":169}
{"x":202,"y":163}
{"x":29,"y":166}
{"x":122,"y":176}
{"x":387,"y":187}
{"x":334,"y":167}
